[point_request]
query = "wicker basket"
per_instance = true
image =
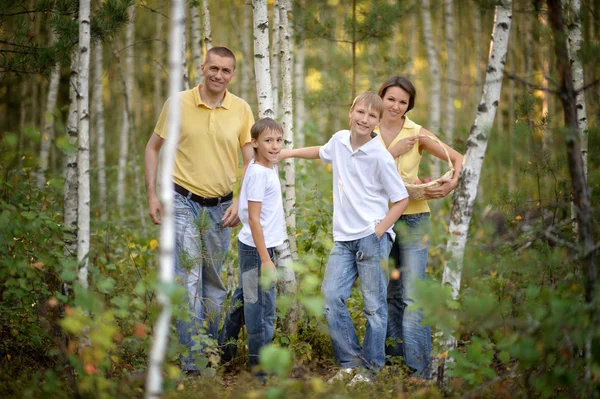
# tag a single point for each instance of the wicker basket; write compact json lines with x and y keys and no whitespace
{"x":416,"y":192}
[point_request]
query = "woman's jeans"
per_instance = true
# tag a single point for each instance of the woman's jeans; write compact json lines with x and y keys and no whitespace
{"x":411,"y":339}
{"x":348,"y":261}
{"x":201,"y":243}
{"x":250,"y":303}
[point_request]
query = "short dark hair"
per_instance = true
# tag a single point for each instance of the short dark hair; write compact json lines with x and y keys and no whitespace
{"x":221,"y":51}
{"x":404,"y":84}
{"x":263,"y":125}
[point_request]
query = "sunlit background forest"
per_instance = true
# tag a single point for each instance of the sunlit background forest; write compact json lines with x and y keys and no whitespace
{"x":523,"y":325}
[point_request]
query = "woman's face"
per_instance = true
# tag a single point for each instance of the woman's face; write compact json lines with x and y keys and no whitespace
{"x":395,"y":103}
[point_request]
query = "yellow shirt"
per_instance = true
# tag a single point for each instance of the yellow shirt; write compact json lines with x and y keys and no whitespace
{"x":408,"y":163}
{"x":206,"y":159}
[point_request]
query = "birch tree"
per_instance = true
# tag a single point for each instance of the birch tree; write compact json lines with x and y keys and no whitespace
{"x":99,"y":122}
{"x":71,"y":180}
{"x":574,"y":47}
{"x":48,"y":129}
{"x":466,"y":191}
{"x":196,"y":41}
{"x":436,"y":82}
{"x":262,"y":67}
{"x":167,"y":228}
{"x":451,"y":71}
{"x":275,"y":56}
{"x":124,"y":138}
{"x":206,"y":23}
{"x":83,"y":149}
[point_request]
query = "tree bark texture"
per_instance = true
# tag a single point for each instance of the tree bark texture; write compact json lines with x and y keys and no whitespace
{"x":70,"y":190}
{"x":206,"y":23}
{"x":167,"y":231}
{"x":264,"y":88}
{"x":196,"y":41}
{"x":276,"y":55}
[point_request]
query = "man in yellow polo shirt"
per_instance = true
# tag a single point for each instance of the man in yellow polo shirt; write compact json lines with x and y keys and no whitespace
{"x":214,"y":124}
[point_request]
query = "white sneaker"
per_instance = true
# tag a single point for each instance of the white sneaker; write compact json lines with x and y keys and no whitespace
{"x":359,"y":379}
{"x":341,"y":375}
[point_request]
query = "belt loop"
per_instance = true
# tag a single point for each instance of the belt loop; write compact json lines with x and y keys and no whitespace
{"x":189,"y":195}
{"x":219,"y":200}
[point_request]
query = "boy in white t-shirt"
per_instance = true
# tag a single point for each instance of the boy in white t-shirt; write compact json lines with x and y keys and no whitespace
{"x":365,"y":181}
{"x":261,"y":214}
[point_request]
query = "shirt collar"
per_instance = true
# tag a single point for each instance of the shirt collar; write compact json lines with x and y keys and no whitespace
{"x":226,"y":103}
{"x":367,"y":148}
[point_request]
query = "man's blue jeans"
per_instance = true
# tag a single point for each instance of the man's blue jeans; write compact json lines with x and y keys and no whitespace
{"x":252,"y":303}
{"x":365,"y":258}
{"x":201,"y":246}
{"x":412,"y":339}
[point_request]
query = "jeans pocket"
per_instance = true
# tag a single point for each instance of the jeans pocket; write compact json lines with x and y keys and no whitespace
{"x":250,"y":285}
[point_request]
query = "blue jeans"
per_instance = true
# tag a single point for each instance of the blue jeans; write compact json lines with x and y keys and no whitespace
{"x":412,"y":340}
{"x":348,"y":261}
{"x":252,"y":303}
{"x":201,"y":245}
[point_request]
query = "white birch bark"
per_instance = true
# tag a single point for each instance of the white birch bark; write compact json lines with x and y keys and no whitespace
{"x":300,"y":107}
{"x":246,"y":52}
{"x":275,"y":56}
{"x":436,"y":82}
{"x":160,"y":337}
{"x":100,"y":133}
{"x":83,"y":152}
{"x":196,"y":41}
{"x":466,"y":191}
{"x":124,"y":139}
{"x":264,"y":88}
{"x":71,"y":181}
{"x":578,"y":82}
{"x":48,"y":129}
{"x":451,"y":71}
{"x":206,"y":21}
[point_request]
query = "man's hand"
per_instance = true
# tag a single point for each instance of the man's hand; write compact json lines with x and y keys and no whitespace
{"x":440,"y":190}
{"x":155,"y":209}
{"x":231,"y":219}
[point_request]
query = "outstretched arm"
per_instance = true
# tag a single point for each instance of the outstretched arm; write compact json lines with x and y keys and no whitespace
{"x":431,"y":146}
{"x":304,"y":153}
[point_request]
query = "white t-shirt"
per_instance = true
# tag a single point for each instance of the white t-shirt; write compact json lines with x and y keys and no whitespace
{"x":261,"y":184}
{"x":364,"y":182}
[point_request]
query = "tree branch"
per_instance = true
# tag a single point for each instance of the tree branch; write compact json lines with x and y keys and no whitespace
{"x":529,"y":84}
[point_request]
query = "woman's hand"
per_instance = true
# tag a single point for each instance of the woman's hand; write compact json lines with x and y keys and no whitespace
{"x":403,"y":146}
{"x":442,"y":189}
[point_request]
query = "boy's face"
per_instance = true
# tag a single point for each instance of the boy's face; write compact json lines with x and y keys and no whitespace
{"x":363,"y":119}
{"x":268,"y":146}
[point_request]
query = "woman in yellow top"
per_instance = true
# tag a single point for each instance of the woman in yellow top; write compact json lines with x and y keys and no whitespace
{"x":406,"y":141}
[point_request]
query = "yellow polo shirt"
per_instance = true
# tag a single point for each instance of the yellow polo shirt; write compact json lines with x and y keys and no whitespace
{"x":408,"y":163}
{"x":206,"y":159}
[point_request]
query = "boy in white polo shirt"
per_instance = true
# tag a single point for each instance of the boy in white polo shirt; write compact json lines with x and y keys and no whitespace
{"x":365,"y":181}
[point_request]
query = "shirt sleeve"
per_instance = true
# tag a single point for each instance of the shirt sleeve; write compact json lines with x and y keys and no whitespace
{"x":391,"y":181}
{"x":256,"y":184}
{"x":326,"y":151}
{"x":247,"y":122}
{"x":162,"y":126}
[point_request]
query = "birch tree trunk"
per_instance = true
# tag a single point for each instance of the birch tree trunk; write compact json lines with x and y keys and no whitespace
{"x":160,"y":336}
{"x":196,"y":42}
{"x":124,"y":139}
{"x":451,"y":74}
{"x":466,"y":191}
{"x":264,"y":88}
{"x":578,"y":82}
{"x":48,"y":129}
{"x":275,"y":56}
{"x":207,"y":30}
{"x":436,"y":83}
{"x":83,"y":151}
{"x":580,"y":190}
{"x":71,"y":180}
{"x":99,"y":119}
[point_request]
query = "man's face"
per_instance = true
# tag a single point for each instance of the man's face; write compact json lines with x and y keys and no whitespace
{"x":218,"y":72}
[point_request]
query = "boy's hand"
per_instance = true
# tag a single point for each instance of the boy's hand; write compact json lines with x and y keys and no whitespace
{"x":284,"y":154}
{"x":268,"y":273}
{"x":378,"y":231}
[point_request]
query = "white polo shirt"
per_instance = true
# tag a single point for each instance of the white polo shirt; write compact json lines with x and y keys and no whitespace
{"x":364,"y":182}
{"x":261,"y":184}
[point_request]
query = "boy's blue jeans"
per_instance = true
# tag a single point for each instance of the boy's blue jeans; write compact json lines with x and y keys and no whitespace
{"x":365,"y":258}
{"x":412,"y":339}
{"x":201,"y":243}
{"x":252,"y":304}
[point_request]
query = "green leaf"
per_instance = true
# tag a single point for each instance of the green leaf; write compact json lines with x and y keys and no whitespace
{"x":275,"y":360}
